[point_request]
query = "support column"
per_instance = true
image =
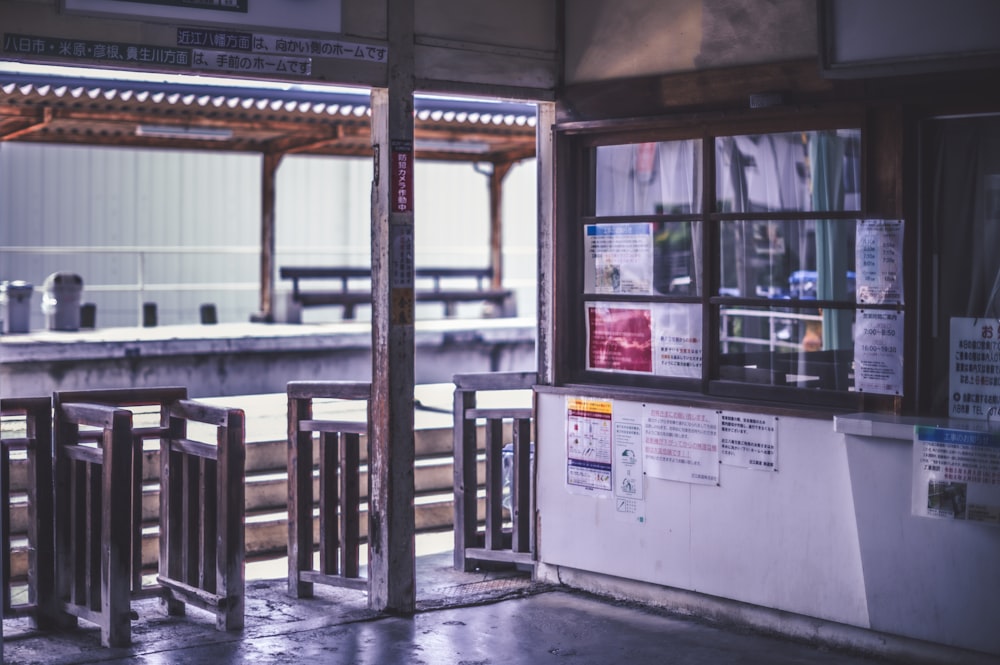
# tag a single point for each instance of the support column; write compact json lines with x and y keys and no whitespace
{"x":269,"y":169}
{"x":391,"y":566}
{"x":497,"y":176}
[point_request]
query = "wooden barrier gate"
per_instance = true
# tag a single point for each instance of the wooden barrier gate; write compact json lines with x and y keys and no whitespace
{"x":496,"y":544}
{"x":339,"y":492}
{"x":98,"y":471}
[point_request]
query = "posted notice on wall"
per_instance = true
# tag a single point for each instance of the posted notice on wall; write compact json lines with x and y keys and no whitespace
{"x":748,"y":440}
{"x":681,"y":444}
{"x":956,"y":474}
{"x":619,"y":337}
{"x":879,"y":261}
{"x":588,"y":445}
{"x":619,"y":258}
{"x":677,"y":340}
{"x":878,"y":352}
{"x":974,"y":371}
{"x":628,"y":468}
{"x":664,"y":339}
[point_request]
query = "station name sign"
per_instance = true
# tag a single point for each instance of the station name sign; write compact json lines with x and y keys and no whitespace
{"x":312,"y":16}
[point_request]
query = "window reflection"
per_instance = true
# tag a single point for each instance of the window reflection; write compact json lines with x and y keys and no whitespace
{"x":803,"y":171}
{"x":649,"y":178}
{"x":805,"y":259}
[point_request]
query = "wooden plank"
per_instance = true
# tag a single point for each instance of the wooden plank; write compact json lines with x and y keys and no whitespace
{"x":350,"y":492}
{"x":494,"y":484}
{"x":330,"y":539}
{"x":300,"y":493}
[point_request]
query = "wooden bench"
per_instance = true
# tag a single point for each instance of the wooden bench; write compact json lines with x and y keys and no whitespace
{"x":355,"y":288}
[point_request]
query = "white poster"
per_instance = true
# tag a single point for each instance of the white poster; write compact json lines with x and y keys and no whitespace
{"x":628,"y":467}
{"x":974,"y":372}
{"x":681,"y":444}
{"x":956,"y":474}
{"x":878,"y":352}
{"x":879,"y":261}
{"x":748,"y":440}
{"x":588,"y":445}
{"x":619,"y":258}
{"x":677,"y":340}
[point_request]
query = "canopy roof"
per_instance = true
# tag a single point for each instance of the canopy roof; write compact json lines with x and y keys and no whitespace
{"x":71,"y":110}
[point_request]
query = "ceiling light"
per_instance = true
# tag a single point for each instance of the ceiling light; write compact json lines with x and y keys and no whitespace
{"x":196,"y":133}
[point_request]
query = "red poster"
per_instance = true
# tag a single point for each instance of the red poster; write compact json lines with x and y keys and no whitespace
{"x":620,"y":339}
{"x":402,"y":176}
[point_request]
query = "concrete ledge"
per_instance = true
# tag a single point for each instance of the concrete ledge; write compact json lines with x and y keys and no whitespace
{"x":250,"y":358}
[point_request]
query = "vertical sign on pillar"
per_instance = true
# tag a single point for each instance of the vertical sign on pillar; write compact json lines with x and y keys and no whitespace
{"x":402,"y":304}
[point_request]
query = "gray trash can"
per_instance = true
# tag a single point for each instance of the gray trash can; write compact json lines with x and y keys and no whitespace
{"x":15,"y":303}
{"x":61,"y":301}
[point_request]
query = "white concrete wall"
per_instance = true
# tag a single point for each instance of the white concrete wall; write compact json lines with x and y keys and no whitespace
{"x":828,"y":536}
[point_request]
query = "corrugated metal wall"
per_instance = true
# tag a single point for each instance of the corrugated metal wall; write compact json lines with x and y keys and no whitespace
{"x":182,"y":228}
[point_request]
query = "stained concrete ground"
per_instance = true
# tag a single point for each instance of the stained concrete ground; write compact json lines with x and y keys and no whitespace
{"x":480,"y":618}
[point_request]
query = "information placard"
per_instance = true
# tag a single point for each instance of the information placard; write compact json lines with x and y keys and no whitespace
{"x":681,"y":444}
{"x":619,"y":258}
{"x":748,"y":440}
{"x":879,"y":261}
{"x":974,"y":368}
{"x":956,"y":474}
{"x":878,"y":352}
{"x":588,"y":445}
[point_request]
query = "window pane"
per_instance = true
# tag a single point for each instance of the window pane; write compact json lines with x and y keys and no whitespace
{"x":962,"y":173}
{"x":800,"y":171}
{"x":806,"y":348}
{"x":642,"y":258}
{"x":649,"y":178}
{"x":808,"y":259}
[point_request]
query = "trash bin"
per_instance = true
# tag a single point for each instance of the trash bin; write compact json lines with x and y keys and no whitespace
{"x":15,"y":304}
{"x":61,"y":301}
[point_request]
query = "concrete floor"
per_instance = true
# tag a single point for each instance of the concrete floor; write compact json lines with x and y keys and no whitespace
{"x":462,"y":619}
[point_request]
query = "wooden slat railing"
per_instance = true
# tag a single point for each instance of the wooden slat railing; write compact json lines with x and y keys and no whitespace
{"x":98,"y":467}
{"x":339,"y":489}
{"x":498,"y":543}
{"x":36,"y":445}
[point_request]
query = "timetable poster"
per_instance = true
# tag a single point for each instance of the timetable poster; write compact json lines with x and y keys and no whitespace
{"x":956,"y":474}
{"x":879,"y":261}
{"x":878,"y":352}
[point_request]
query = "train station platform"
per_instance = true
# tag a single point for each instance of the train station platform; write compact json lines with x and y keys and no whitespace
{"x":461,"y":618}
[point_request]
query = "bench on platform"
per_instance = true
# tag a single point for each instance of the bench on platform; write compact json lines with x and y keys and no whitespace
{"x":449,"y":286}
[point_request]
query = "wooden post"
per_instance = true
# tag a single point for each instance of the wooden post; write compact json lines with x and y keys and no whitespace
{"x":269,"y":169}
{"x":391,"y":568}
{"x":497,"y":176}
